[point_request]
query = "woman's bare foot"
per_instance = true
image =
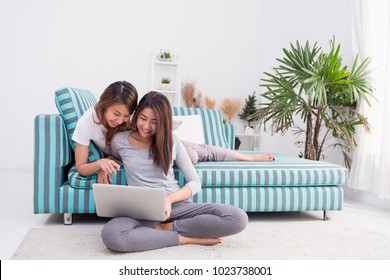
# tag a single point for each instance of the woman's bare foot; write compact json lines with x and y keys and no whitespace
{"x":183,"y":240}
{"x":263,"y":157}
{"x":189,"y":240}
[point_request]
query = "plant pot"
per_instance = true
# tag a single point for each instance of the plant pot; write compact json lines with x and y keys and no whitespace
{"x":165,"y":86}
{"x":249,"y":130}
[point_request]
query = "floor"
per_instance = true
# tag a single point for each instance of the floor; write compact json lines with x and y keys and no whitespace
{"x":16,"y":210}
{"x":17,"y":217}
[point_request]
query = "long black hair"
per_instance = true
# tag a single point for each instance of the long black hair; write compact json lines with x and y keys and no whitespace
{"x":161,"y":147}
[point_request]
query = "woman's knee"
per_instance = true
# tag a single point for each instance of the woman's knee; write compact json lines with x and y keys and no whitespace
{"x":194,"y":157}
{"x":238,"y":219}
{"x":116,"y":234}
{"x":241,"y":219}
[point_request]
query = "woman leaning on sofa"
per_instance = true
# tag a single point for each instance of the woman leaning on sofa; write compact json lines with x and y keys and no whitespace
{"x":110,"y":115}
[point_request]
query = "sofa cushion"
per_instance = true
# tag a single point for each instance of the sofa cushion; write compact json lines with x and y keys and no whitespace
{"x":71,"y":104}
{"x":189,"y":128}
{"x":285,"y":171}
{"x":212,"y":124}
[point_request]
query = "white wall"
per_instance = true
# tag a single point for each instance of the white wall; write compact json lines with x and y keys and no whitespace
{"x":224,"y":45}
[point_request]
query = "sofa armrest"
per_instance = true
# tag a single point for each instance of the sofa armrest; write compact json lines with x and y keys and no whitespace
{"x":52,"y":157}
{"x":230,"y":134}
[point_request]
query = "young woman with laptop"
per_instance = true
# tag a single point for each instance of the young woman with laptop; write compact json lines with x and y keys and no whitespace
{"x":148,"y":151}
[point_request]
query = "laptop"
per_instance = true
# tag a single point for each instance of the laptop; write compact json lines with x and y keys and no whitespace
{"x":141,"y":203}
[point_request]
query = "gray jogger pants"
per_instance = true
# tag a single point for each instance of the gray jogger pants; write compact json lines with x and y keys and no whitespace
{"x":189,"y":219}
{"x":204,"y":152}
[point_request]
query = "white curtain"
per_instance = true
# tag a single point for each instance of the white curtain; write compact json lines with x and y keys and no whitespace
{"x":371,"y":160}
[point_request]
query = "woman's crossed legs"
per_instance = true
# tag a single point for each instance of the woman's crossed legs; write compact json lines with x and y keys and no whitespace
{"x":190,"y":223}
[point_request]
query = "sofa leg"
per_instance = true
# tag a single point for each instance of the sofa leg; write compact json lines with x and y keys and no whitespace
{"x":68,"y":219}
{"x":326,"y":216}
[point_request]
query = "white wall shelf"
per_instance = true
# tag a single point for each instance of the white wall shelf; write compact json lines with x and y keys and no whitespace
{"x":166,"y":69}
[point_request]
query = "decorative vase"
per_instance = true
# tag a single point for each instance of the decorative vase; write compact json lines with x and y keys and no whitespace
{"x":165,"y":86}
{"x":249,"y":130}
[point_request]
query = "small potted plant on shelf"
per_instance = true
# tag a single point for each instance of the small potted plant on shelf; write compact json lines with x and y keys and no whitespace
{"x":165,"y":55}
{"x":165,"y":84}
{"x":248,"y":113}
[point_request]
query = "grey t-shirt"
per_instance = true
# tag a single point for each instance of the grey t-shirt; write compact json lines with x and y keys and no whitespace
{"x":141,"y":170}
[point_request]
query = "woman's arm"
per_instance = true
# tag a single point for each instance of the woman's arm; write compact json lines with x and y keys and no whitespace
{"x":192,"y":185}
{"x":107,"y":165}
{"x":180,"y":195}
{"x":184,"y":163}
{"x":183,"y":194}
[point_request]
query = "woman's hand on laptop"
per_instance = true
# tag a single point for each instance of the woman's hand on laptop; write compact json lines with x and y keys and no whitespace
{"x":168,"y":207}
{"x":104,"y":177}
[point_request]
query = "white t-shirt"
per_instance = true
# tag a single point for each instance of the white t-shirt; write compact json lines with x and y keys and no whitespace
{"x":89,"y":129}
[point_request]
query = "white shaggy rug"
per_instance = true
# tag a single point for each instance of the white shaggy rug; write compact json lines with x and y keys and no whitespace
{"x":269,"y":236}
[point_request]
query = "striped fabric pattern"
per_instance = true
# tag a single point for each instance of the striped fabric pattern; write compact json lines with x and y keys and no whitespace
{"x":275,"y":199}
{"x":286,"y":171}
{"x":251,"y":199}
{"x":74,"y":200}
{"x":75,"y":180}
{"x":52,"y":155}
{"x":72,"y":103}
{"x":230,"y":135}
{"x":212,"y":124}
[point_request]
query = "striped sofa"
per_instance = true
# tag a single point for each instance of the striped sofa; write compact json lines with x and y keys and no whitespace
{"x":288,"y":184}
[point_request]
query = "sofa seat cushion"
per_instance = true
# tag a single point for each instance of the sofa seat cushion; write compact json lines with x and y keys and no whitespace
{"x":286,"y":171}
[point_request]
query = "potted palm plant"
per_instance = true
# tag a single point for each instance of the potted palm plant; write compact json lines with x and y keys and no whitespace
{"x":314,"y":86}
